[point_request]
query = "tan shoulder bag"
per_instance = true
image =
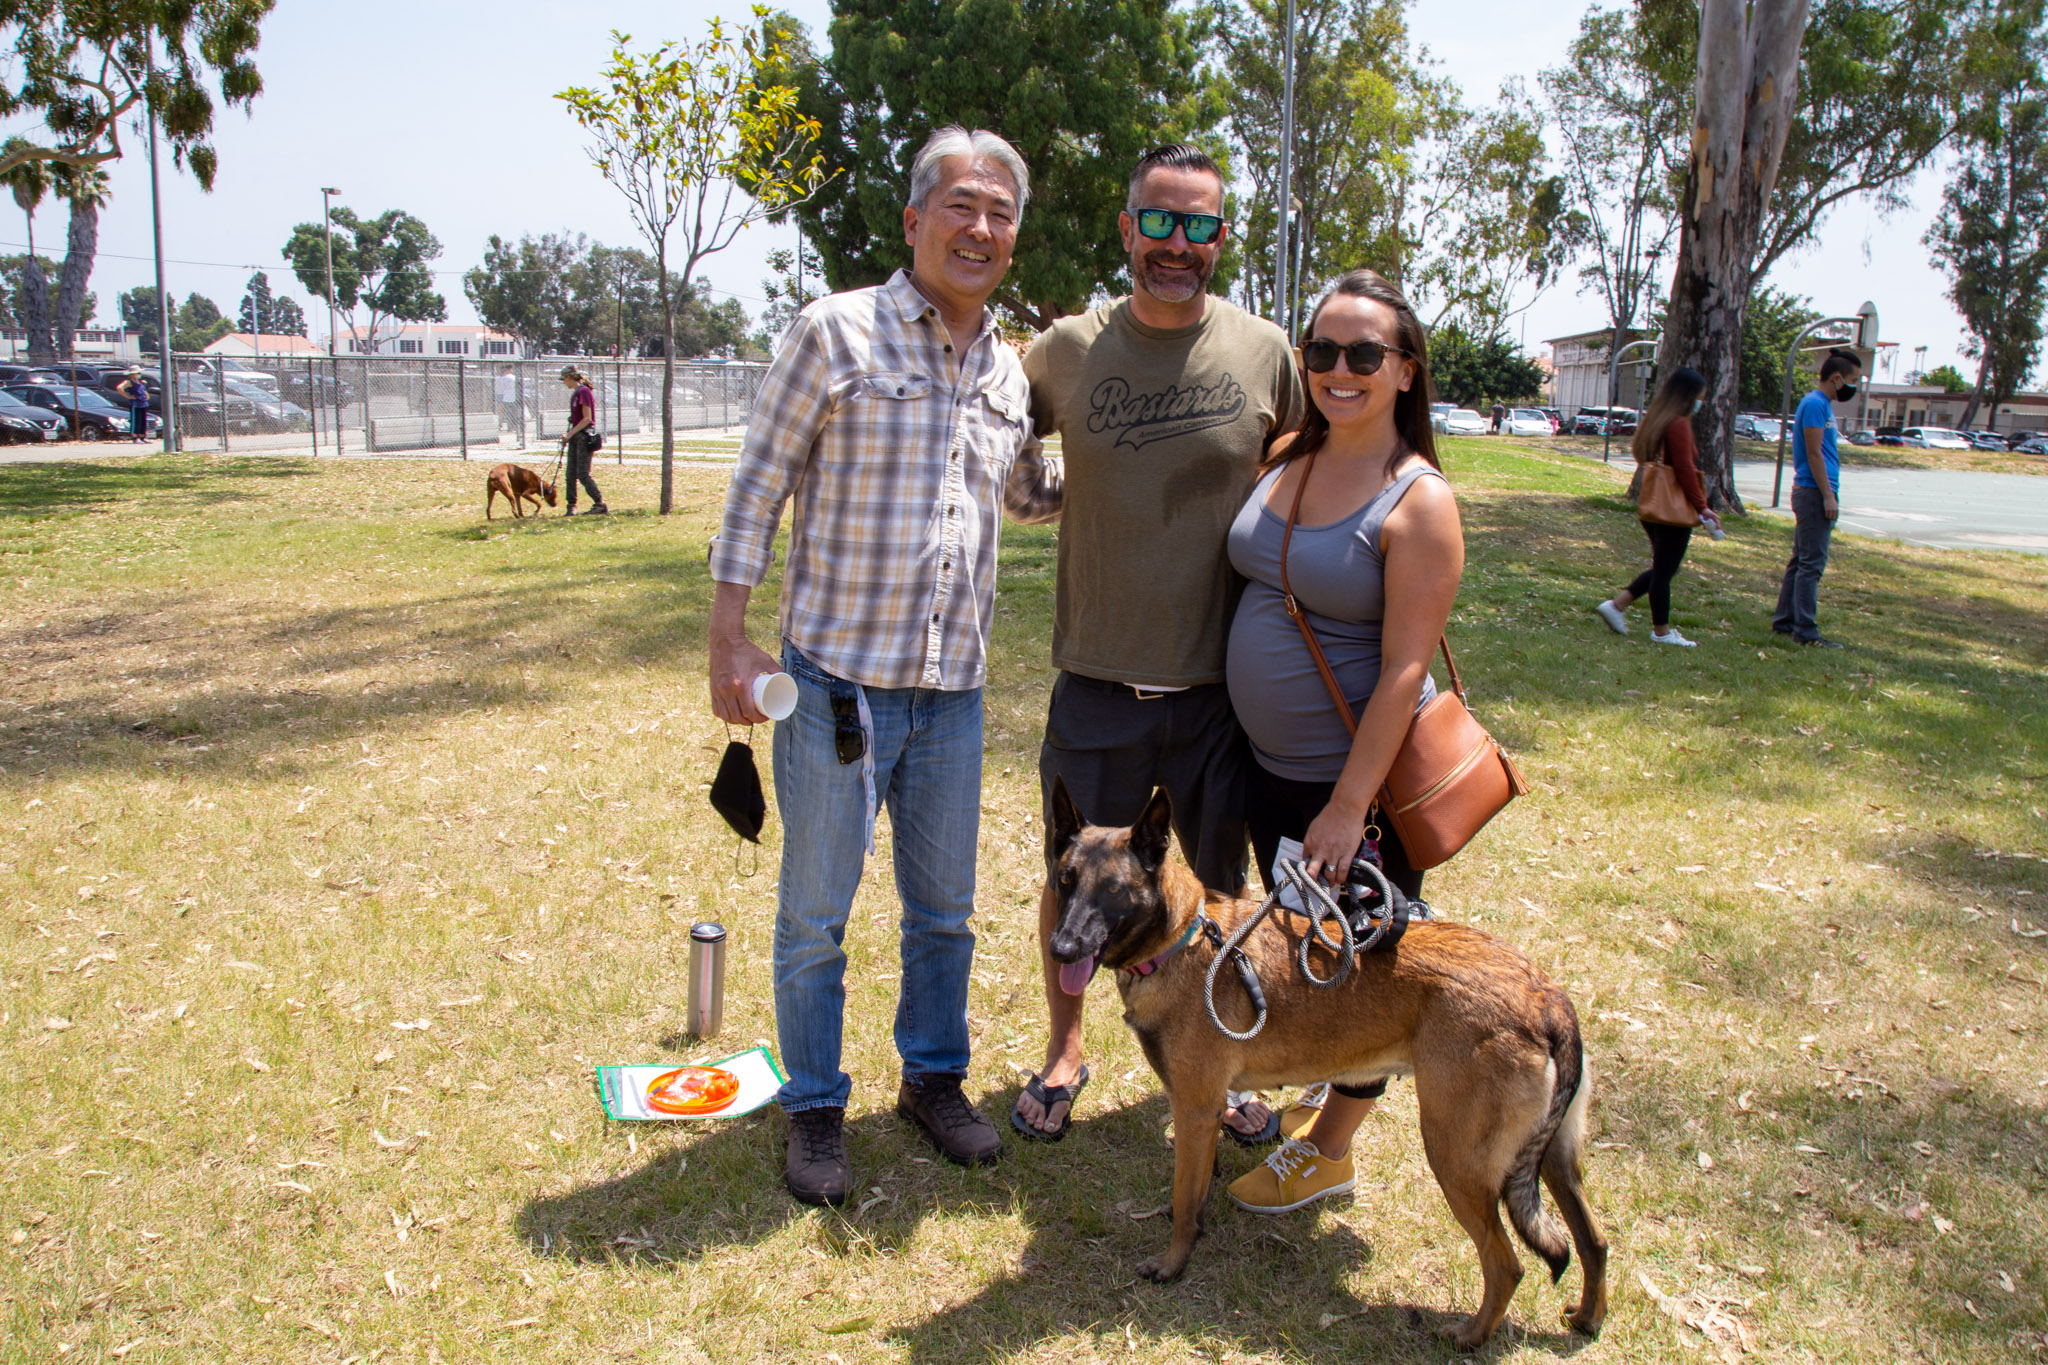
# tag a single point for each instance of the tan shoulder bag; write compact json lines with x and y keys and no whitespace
{"x":1450,"y":776}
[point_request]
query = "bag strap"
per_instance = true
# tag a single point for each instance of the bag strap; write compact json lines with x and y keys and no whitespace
{"x":1308,"y":632}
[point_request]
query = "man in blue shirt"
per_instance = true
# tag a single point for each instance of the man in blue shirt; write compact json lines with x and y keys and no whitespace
{"x":1816,"y":493}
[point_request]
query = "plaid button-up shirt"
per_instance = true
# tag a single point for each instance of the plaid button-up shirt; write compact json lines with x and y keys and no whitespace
{"x":902,"y":459}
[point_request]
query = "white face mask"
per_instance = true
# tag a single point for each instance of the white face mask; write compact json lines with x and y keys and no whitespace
{"x":1696,"y":407}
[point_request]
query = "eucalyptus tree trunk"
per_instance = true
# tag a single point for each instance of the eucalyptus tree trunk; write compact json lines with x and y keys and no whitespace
{"x":1744,"y":96}
{"x":82,"y":246}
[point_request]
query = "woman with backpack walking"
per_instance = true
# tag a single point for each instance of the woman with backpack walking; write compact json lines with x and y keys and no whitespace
{"x":581,"y":441}
{"x":1666,"y":436}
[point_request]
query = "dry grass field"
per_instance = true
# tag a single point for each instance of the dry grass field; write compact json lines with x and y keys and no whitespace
{"x":345,"y":832}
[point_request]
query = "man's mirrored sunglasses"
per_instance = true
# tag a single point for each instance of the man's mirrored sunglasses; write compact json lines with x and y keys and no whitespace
{"x":1158,"y":224}
{"x":1364,"y":357}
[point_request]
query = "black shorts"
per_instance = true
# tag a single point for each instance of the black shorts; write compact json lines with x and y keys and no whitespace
{"x":1114,"y":747}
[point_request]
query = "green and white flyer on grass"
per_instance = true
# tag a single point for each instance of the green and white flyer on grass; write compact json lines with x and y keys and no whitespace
{"x":723,"y":1089}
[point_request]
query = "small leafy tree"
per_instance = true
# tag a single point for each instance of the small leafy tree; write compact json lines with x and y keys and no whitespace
{"x":520,"y":289}
{"x":269,"y":314}
{"x":699,"y":145}
{"x":1773,"y":320}
{"x":1950,"y":379}
{"x":1474,"y":371}
{"x":1992,"y":233}
{"x":380,"y":266}
{"x":197,"y":324}
{"x":799,"y":280}
{"x":139,"y":314}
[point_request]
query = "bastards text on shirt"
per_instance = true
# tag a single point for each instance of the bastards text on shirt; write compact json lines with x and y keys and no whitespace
{"x":1165,"y":413}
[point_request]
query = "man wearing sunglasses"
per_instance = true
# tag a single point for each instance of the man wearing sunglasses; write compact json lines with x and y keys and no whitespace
{"x":1165,"y":402}
{"x":895,"y":418}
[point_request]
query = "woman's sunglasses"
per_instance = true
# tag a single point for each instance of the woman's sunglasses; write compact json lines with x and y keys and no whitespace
{"x":1158,"y":224}
{"x":1364,"y":357}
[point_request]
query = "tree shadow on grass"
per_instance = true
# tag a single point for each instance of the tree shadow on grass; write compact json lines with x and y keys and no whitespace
{"x":311,"y":678}
{"x":73,"y":485}
{"x":1090,"y":1211}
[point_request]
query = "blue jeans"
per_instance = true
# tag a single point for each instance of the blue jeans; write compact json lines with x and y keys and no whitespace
{"x":1799,"y":593}
{"x":927,"y":772}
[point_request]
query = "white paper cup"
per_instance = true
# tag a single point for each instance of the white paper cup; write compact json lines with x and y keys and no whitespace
{"x":775,"y":695}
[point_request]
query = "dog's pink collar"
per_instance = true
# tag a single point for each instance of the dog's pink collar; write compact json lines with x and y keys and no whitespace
{"x":1153,"y":964}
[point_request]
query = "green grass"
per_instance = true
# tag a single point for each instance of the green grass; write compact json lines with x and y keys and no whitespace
{"x":292,"y":753}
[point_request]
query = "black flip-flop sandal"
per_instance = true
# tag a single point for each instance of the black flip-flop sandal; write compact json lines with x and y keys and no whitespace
{"x":1048,"y":1096}
{"x":1265,"y":1136}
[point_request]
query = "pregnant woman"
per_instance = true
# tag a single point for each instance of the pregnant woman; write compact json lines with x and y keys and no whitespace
{"x":1358,"y":505}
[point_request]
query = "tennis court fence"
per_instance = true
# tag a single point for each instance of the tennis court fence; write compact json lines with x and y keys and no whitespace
{"x":442,"y":406}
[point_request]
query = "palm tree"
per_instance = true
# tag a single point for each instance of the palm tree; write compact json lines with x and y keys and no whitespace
{"x":30,"y":181}
{"x":85,"y":189}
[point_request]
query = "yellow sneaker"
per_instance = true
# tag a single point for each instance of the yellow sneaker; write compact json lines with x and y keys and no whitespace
{"x":1300,"y":1115}
{"x":1296,"y":1174}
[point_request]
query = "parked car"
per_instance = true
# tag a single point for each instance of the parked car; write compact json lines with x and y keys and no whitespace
{"x":22,"y":423}
{"x":199,"y":408}
{"x":1461,"y":422}
{"x":1556,"y":417}
{"x":232,"y":369}
{"x":270,"y":413}
{"x":1888,"y":436}
{"x":30,"y":374}
{"x":1932,"y":438}
{"x":2036,"y":443}
{"x":1986,"y":440}
{"x":1755,"y":426}
{"x":93,"y":417}
{"x":1861,"y":438}
{"x":317,"y":389}
{"x":1527,"y":422}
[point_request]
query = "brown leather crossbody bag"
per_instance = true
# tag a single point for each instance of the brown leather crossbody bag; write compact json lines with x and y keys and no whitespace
{"x":1450,"y":776}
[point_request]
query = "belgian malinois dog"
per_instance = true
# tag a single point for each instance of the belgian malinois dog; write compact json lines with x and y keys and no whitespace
{"x":1492,"y":1043}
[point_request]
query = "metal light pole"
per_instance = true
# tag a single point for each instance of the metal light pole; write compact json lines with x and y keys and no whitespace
{"x":1285,"y":194}
{"x":169,"y":388}
{"x":327,"y":231}
{"x":1865,"y":323}
{"x":1613,"y":390}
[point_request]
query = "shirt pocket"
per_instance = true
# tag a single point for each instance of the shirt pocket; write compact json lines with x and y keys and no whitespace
{"x":884,"y":412}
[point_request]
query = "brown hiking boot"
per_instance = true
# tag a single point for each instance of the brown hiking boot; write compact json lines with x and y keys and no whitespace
{"x":814,"y":1163}
{"x":954,"y":1126}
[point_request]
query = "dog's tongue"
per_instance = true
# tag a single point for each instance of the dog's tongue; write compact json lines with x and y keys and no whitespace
{"x":1075,"y":976}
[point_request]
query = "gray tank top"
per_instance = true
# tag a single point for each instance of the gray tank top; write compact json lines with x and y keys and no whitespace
{"x":1339,"y":578}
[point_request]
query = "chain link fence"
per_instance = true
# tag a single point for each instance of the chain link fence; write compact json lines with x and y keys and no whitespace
{"x":449,"y":406}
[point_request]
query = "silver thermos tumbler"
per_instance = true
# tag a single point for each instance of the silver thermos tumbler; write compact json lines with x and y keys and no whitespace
{"x":707,"y":979}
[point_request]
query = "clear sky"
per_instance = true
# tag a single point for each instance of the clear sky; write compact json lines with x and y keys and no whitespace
{"x":443,"y":108}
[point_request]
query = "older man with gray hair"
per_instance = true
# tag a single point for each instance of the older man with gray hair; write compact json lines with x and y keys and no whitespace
{"x":895,"y":417}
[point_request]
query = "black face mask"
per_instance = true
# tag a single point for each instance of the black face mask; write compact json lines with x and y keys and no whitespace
{"x":1845,"y":393}
{"x":736,"y":792}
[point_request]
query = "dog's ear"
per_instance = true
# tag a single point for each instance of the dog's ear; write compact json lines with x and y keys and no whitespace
{"x":1154,"y":829}
{"x":1066,"y":819}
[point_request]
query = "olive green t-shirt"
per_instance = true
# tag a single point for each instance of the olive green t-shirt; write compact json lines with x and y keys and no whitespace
{"x":1162,"y":433}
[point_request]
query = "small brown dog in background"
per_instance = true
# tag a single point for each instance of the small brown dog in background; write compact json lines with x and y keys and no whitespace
{"x":517,"y":483}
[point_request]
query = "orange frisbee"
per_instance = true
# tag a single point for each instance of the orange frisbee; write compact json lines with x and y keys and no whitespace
{"x":692,"y":1090}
